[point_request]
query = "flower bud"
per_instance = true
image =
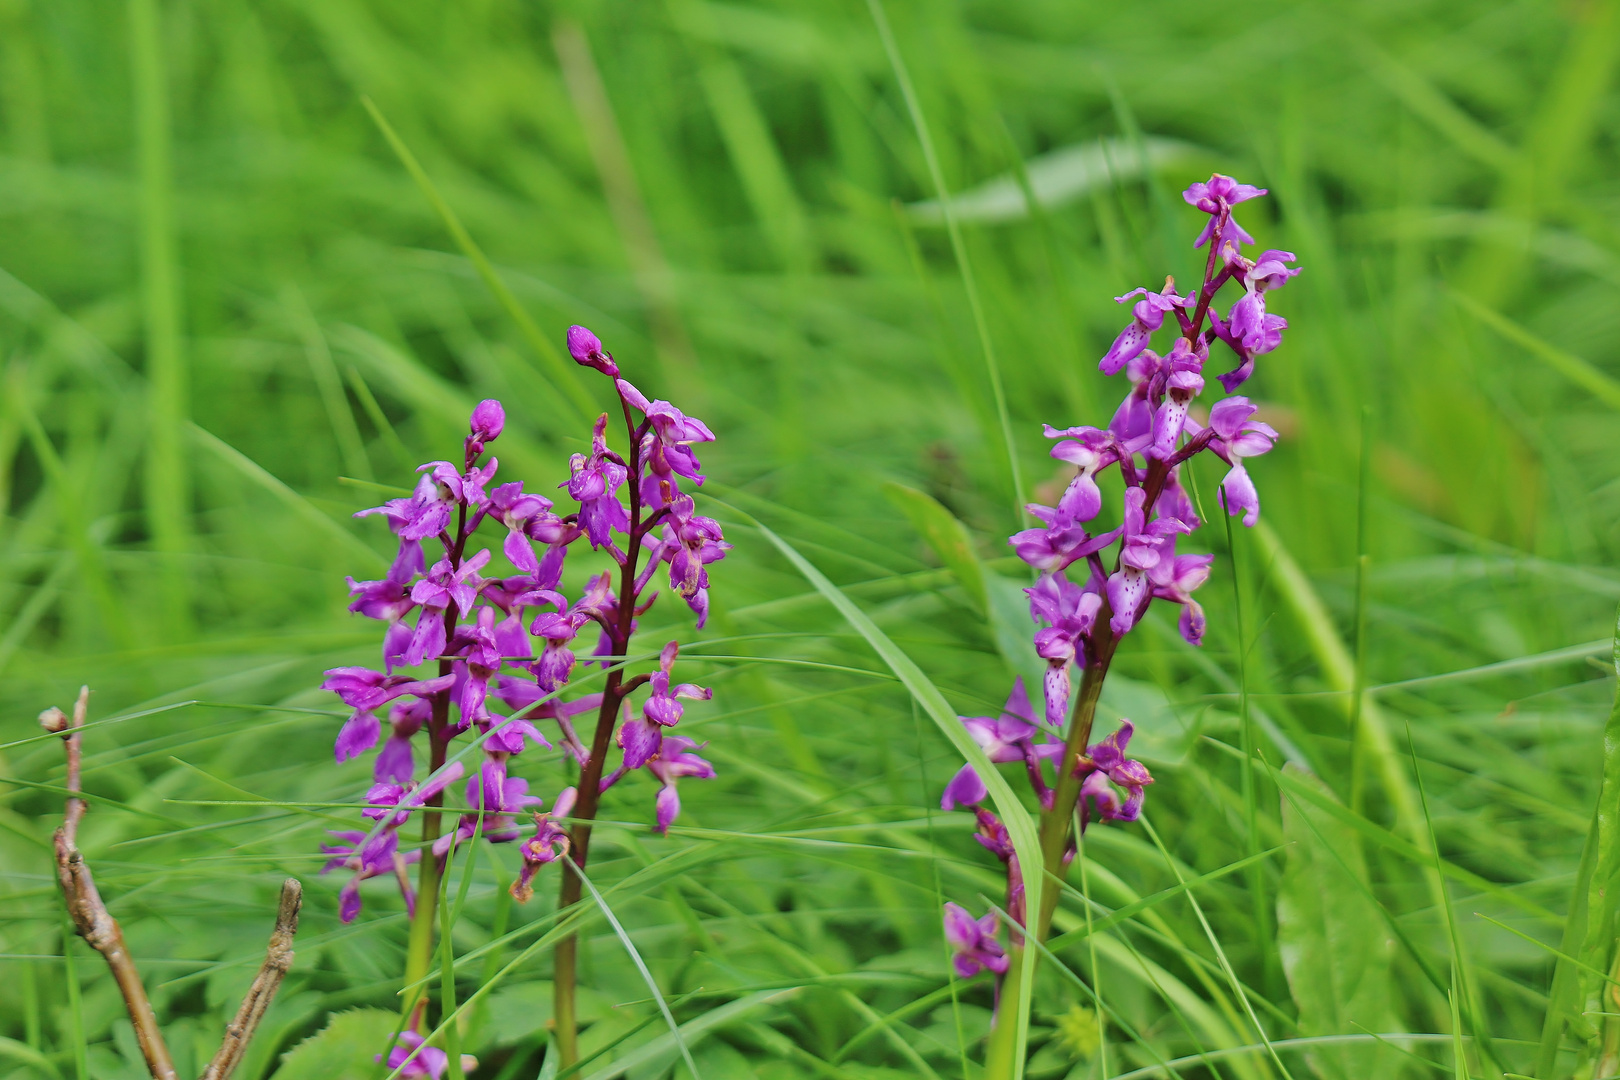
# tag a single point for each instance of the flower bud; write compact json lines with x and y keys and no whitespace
{"x":488,"y":418}
{"x":53,"y":720}
{"x":586,"y":349}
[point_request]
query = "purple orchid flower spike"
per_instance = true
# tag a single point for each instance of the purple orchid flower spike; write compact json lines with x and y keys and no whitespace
{"x":974,"y":947}
{"x":1083,"y":616}
{"x":509,"y":642}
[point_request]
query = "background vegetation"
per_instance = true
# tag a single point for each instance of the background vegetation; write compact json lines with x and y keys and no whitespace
{"x":227,"y":312}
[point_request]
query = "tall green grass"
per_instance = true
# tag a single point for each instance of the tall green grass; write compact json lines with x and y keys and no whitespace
{"x":228,"y":312}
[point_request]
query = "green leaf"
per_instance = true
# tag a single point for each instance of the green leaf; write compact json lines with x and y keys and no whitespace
{"x":1336,"y":949}
{"x":947,"y":536}
{"x":346,"y":1049}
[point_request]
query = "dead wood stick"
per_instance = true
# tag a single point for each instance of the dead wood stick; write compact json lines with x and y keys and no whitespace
{"x":278,"y":961}
{"x":97,"y":926}
{"x":90,"y":916}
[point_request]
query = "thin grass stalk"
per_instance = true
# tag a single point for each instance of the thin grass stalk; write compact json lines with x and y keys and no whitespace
{"x":168,"y":487}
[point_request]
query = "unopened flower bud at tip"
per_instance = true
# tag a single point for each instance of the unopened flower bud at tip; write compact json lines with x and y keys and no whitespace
{"x":488,"y":420}
{"x":53,"y":720}
{"x":586,"y":348}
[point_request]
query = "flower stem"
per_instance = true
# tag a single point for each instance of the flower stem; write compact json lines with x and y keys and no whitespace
{"x":419,"y":950}
{"x":566,"y":957}
{"x":1056,"y":832}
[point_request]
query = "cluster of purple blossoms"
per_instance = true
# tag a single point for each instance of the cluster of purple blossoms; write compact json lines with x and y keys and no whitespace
{"x":1083,"y":612}
{"x":508,"y":643}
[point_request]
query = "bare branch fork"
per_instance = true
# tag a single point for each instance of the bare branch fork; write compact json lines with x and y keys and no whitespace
{"x":97,"y":926}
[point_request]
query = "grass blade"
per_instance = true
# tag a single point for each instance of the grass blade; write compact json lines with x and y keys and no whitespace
{"x":641,"y":966}
{"x":560,"y":373}
{"x":1013,"y":815}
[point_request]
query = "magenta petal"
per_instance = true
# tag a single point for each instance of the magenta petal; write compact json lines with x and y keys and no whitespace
{"x":965,"y":789}
{"x":359,"y":734}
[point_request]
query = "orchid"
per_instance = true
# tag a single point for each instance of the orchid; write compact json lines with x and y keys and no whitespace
{"x":1082,"y":606}
{"x":509,"y":643}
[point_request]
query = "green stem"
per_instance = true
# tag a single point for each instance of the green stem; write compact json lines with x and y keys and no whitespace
{"x":1056,"y":832}
{"x":419,"y":950}
{"x":565,"y":966}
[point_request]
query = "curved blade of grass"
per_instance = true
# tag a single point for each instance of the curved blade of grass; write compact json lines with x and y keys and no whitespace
{"x":561,"y":374}
{"x":24,"y":1054}
{"x":1578,"y":371}
{"x":1220,"y":953}
{"x":641,"y":966}
{"x":1019,"y":824}
{"x":295,"y":502}
{"x":691,"y":1031}
{"x":1464,"y":994}
{"x":958,"y":248}
{"x":1602,"y":838}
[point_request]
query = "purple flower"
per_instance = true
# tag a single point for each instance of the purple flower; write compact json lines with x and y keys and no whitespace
{"x":1248,"y":326}
{"x":974,"y":947}
{"x":671,"y":452}
{"x":488,"y":419}
{"x":462,"y":489}
{"x":1090,"y":450}
{"x":388,"y":599}
{"x":499,"y":797}
{"x":594,"y":482}
{"x":396,"y":802}
{"x":641,"y":739}
{"x":966,"y":789}
{"x":422,"y":1061}
{"x":424,"y":513}
{"x":1110,"y":767}
{"x":1238,"y":437}
{"x":549,"y":843}
{"x":1182,"y":371}
{"x":514,"y":508}
{"x":364,"y":690}
{"x":381,"y":856}
{"x":586,"y":349}
{"x":1174,"y":579}
{"x":395,"y":761}
{"x":556,"y":661}
{"x":1143,"y":548}
{"x":692,"y":542}
{"x":1070,"y":612}
{"x":1216,"y":198}
{"x":1147,"y":315}
{"x":663,"y":706}
{"x":676,"y":762}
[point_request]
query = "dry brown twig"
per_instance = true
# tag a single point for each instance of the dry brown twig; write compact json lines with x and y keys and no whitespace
{"x":97,"y":926}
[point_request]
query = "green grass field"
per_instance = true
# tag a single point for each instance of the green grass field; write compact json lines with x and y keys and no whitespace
{"x":230,"y":317}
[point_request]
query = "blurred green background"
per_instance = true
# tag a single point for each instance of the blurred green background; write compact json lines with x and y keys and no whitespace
{"x":228,"y":313}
